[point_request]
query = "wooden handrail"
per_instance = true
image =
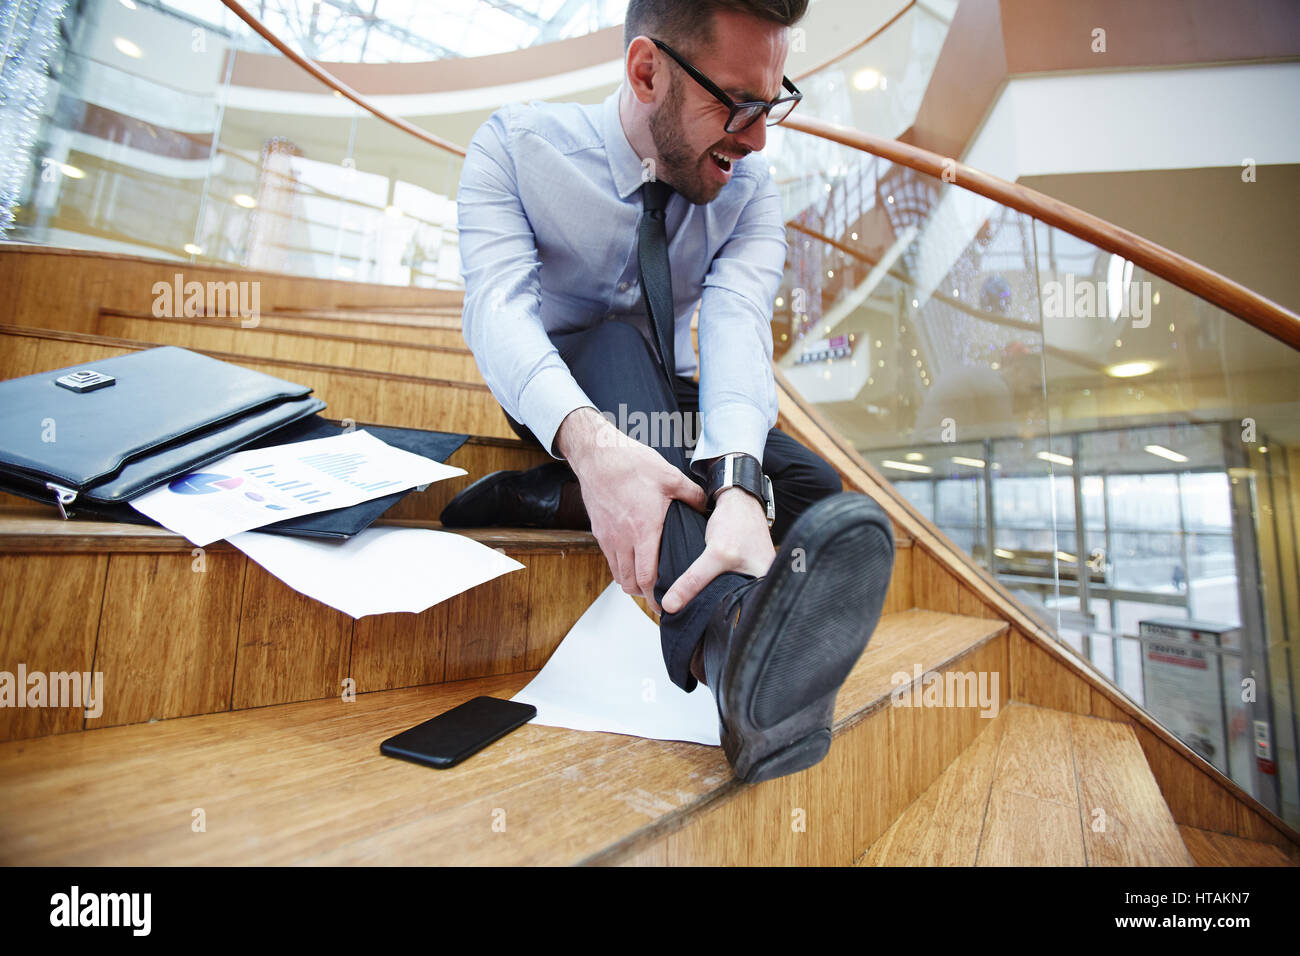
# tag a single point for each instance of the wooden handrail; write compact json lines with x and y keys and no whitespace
{"x":334,"y":83}
{"x":1218,"y":289}
{"x":1253,"y":308}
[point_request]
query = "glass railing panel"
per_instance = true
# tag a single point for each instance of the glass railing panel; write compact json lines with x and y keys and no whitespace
{"x":1123,"y":468}
{"x":879,"y":87}
{"x":1187,"y":420}
{"x":914,"y":329}
{"x":406,"y":233}
{"x":168,"y":134}
{"x":123,"y":141}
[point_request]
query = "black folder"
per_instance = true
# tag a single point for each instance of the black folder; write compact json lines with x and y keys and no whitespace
{"x":89,"y":438}
{"x":336,"y":523}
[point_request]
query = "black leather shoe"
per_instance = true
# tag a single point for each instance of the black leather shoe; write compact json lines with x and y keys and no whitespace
{"x":777,"y":650}
{"x":516,"y":499}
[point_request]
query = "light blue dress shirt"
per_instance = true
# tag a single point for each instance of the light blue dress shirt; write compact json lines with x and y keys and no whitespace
{"x":548,"y":208}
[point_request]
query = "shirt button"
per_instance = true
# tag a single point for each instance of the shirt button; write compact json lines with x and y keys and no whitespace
{"x":623,"y":286}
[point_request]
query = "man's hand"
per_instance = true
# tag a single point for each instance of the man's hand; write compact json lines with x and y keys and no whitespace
{"x":736,"y":539}
{"x":626,"y":487}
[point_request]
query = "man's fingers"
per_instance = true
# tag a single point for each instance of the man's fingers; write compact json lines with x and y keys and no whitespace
{"x":703,"y":570}
{"x":624,"y":569}
{"x":647,"y":569}
{"x":691,"y":493}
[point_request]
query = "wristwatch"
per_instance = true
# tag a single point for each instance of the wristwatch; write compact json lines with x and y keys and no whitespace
{"x":739,"y":470}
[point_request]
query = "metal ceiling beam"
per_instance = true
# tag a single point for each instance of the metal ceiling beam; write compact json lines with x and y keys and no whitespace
{"x":518,"y":12}
{"x":358,"y":19}
{"x":555,"y":27}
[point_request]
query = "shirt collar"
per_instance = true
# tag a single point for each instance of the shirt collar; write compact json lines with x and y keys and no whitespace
{"x":624,"y":164}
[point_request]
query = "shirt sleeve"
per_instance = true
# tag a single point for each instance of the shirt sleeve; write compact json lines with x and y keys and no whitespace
{"x":738,"y":404}
{"x":501,"y":318}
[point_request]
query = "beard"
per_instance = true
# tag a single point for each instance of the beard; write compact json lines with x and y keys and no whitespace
{"x":678,"y":165}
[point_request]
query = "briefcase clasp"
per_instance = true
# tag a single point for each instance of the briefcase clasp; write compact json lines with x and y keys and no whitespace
{"x":85,"y":380}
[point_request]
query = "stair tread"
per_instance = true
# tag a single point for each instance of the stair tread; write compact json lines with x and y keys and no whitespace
{"x":1039,"y":787}
{"x":125,"y":795}
{"x":1221,"y":849}
{"x":30,"y":527}
{"x":233,"y":323}
{"x":438,"y":317}
{"x":137,"y":345}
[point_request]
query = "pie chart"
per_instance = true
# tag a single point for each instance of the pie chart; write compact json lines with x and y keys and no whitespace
{"x":203,"y":483}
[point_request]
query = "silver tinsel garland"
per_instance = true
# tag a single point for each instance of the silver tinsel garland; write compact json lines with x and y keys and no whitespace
{"x":29,"y":41}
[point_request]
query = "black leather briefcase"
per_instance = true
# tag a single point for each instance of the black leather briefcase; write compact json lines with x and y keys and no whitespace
{"x":91,"y":437}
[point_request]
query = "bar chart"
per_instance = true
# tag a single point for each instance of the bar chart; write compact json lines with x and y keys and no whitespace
{"x":341,"y":466}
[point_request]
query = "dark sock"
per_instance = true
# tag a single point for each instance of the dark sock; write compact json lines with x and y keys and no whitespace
{"x":572,"y":513}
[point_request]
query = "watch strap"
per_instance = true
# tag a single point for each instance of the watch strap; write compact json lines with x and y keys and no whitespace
{"x":743,"y":471}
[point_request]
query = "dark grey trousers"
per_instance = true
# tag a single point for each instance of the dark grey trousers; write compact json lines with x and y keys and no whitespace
{"x":621,"y":375}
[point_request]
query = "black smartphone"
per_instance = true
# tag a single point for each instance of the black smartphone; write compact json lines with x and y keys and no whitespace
{"x":449,"y":738}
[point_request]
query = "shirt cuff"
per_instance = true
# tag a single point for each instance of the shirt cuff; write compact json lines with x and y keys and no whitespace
{"x":735,"y":427}
{"x":546,"y":400}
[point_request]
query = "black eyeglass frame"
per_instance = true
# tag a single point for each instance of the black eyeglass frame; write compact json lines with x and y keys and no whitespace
{"x":764,"y":108}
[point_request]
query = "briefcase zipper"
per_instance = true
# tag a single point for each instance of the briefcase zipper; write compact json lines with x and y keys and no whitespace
{"x":62,"y":497}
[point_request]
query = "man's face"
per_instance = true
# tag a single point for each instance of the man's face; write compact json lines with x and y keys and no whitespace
{"x":747,"y":60}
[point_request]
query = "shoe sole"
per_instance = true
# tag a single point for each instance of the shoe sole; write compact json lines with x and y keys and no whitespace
{"x":805,"y":640}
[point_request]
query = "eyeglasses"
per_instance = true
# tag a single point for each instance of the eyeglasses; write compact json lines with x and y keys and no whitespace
{"x":742,"y":115}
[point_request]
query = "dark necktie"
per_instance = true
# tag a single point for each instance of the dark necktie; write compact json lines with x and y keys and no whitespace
{"x":652,"y":268}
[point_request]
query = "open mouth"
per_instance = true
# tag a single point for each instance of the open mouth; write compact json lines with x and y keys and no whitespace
{"x":721,"y":161}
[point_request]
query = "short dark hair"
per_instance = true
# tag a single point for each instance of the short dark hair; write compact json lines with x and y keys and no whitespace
{"x":688,"y":24}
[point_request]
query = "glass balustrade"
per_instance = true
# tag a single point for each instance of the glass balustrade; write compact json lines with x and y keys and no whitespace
{"x":181,"y":134}
{"x":172,"y":130}
{"x":879,"y":86}
{"x":1120,"y":454}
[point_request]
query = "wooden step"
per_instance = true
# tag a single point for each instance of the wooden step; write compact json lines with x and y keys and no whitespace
{"x":181,"y":630}
{"x":291,"y":321}
{"x":398,"y":400}
{"x":1221,"y":849}
{"x":321,"y":348}
{"x":449,"y":301}
{"x":69,"y":287}
{"x":1039,"y":787}
{"x":305,"y":783}
{"x":447,"y":317}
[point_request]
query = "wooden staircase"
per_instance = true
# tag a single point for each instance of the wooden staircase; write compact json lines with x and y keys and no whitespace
{"x":241,"y":720}
{"x":1039,"y":787}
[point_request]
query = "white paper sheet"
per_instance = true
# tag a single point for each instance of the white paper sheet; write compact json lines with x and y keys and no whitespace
{"x":379,"y":570}
{"x":609,"y":674}
{"x":249,"y":489}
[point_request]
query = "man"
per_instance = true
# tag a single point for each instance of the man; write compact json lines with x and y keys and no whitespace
{"x":588,"y":234}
